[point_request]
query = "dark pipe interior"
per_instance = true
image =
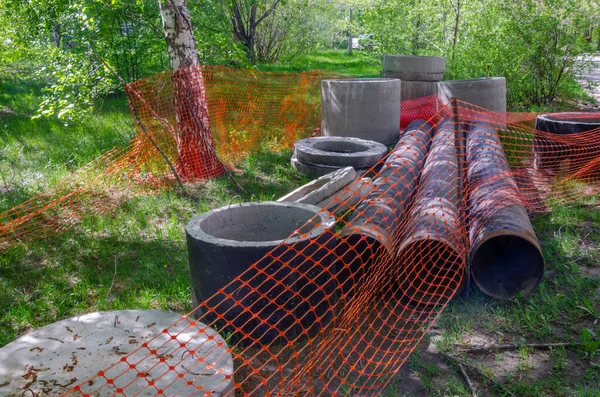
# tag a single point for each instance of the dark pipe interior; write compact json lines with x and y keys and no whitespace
{"x":505,"y":265}
{"x":574,"y":119}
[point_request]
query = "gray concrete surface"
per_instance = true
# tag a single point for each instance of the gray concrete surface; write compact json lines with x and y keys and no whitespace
{"x":318,"y":170}
{"x":361,"y":108}
{"x":57,"y":357}
{"x":229,"y":244}
{"x":348,"y":196}
{"x":321,"y":188}
{"x":488,"y":93}
{"x":339,"y":151}
{"x":414,"y":64}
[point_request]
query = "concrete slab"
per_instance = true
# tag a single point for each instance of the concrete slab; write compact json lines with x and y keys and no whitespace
{"x":321,"y":188}
{"x":57,"y":357}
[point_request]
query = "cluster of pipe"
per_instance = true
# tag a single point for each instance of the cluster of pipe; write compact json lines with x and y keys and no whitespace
{"x":443,"y":200}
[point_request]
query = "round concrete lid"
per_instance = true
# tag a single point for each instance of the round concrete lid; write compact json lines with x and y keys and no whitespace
{"x":149,"y":347}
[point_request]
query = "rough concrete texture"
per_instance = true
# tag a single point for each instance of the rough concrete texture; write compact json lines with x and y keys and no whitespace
{"x":318,"y":170}
{"x":57,"y":357}
{"x":418,"y":89}
{"x":487,"y":93}
{"x":413,"y":76}
{"x":414,"y":64}
{"x":339,"y":151}
{"x":347,"y":196}
{"x":361,"y":108}
{"x":322,"y":188}
{"x":257,"y":224}
{"x":231,"y":242}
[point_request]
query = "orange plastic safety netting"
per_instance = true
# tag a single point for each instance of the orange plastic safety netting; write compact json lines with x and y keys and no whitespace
{"x":190,"y":124}
{"x":341,"y":303}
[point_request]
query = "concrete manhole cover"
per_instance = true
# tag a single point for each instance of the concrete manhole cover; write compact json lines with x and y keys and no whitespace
{"x":153,"y":351}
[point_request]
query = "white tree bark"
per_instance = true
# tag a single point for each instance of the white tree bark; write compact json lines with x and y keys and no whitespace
{"x":195,"y":149}
{"x":178,"y":33}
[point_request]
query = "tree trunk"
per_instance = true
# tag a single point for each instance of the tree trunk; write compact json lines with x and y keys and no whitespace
{"x":196,"y":155}
{"x":456,"y":24}
{"x":350,"y":33}
{"x":56,"y":34}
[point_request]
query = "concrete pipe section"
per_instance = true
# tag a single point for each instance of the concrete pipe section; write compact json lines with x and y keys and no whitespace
{"x":486,"y":93}
{"x":414,"y":68}
{"x":361,"y":108}
{"x":555,"y":153}
{"x":505,"y":255}
{"x":53,"y":359}
{"x":321,"y":188}
{"x":339,"y":151}
{"x":419,"y":74}
{"x":262,"y":298}
{"x":432,"y":255}
{"x":367,"y":238}
{"x":316,"y":171}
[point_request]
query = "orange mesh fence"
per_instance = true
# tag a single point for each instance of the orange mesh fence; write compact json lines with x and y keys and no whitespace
{"x":177,"y":121}
{"x":340,"y":304}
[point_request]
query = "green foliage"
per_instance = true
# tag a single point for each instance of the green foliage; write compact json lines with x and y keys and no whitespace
{"x":535,"y":44}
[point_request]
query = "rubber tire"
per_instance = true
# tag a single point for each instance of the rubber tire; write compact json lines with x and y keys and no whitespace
{"x":307,"y":151}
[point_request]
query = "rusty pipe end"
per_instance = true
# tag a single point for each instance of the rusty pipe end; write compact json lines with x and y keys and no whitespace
{"x":507,"y":262}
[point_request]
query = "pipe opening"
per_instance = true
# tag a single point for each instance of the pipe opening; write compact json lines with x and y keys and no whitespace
{"x":505,"y":265}
{"x":257,"y":223}
{"x":340,"y":147}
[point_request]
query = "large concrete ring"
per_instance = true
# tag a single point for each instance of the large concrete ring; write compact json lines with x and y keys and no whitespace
{"x":318,"y":170}
{"x":336,"y":151}
{"x":263,"y":298}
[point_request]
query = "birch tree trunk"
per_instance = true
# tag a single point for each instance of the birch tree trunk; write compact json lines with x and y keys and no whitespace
{"x":195,"y":149}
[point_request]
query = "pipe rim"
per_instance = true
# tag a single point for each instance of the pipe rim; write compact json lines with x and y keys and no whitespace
{"x":359,"y":80}
{"x":326,"y":221}
{"x":508,"y":233}
{"x":555,"y":117}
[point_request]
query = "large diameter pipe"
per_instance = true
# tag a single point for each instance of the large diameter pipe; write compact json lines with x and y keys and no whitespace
{"x":432,"y":254}
{"x":368,"y":235}
{"x":505,"y":254}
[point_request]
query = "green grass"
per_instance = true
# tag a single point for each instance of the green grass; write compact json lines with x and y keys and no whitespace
{"x":135,"y":257}
{"x":359,"y":64}
{"x":36,"y":154}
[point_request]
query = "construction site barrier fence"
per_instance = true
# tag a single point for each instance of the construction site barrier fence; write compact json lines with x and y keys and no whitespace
{"x":353,"y":304}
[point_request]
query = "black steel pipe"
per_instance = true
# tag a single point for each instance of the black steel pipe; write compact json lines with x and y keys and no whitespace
{"x":369,"y":234}
{"x":505,"y":254}
{"x":432,"y":254}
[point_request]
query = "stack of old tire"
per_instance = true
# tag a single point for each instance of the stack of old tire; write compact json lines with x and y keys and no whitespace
{"x":419,"y":74}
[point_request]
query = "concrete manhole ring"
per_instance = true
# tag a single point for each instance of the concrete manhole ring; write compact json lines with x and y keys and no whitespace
{"x":319,"y":170}
{"x":336,"y":151}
